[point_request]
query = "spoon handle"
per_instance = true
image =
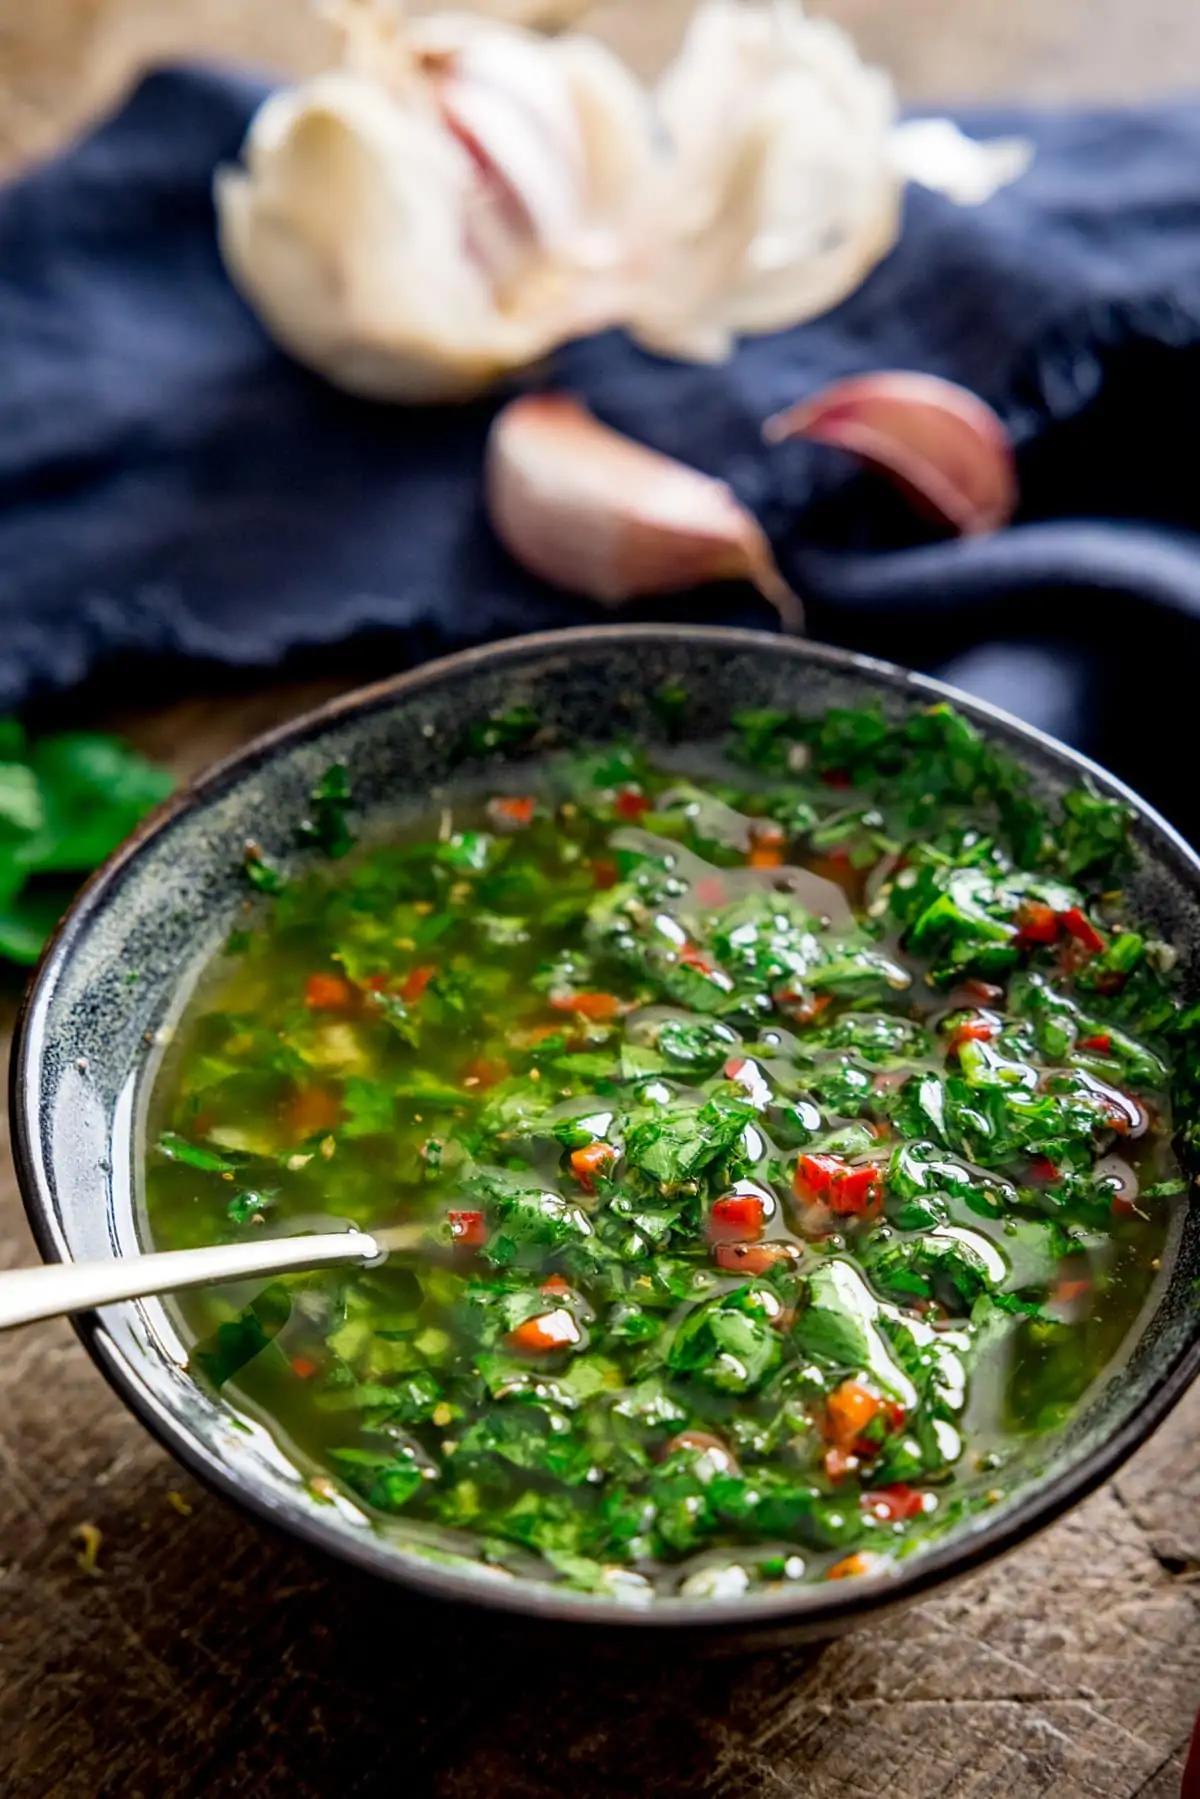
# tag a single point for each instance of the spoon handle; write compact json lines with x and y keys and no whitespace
{"x":28,"y":1294}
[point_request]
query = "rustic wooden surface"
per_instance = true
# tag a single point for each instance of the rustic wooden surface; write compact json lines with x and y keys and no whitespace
{"x":204,"y":1657}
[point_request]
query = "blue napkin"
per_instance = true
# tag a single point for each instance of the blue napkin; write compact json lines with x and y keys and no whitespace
{"x":172,"y":485}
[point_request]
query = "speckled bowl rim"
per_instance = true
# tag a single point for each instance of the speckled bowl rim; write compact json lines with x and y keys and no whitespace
{"x":806,"y":1611}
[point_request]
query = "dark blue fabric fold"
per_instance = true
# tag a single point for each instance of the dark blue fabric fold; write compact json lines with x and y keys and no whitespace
{"x":172,"y":485}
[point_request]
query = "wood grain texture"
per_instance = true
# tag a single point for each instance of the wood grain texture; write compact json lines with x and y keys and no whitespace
{"x":209,"y":1658}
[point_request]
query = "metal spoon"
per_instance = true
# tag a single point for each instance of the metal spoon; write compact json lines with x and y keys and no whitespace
{"x":30,"y":1294}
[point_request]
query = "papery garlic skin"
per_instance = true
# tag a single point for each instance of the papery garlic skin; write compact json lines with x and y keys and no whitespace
{"x":936,"y":154}
{"x":781,"y":192}
{"x":419,"y":236}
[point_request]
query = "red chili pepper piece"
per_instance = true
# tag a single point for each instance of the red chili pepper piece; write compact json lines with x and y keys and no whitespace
{"x":754,"y":1258}
{"x":892,"y":1505}
{"x":549,"y":1330}
{"x":857,"y":1191}
{"x":468,"y":1228}
{"x":848,"y":1411}
{"x":1036,"y":923}
{"x":485,"y":1072}
{"x":736,"y":1218}
{"x":814,"y":1176}
{"x":1121,"y":1118}
{"x":765,"y":855}
{"x":691,"y":957}
{"x":591,"y":1163}
{"x":516,"y":810}
{"x":974,"y":1030}
{"x":631,"y":803}
{"x":1083,"y":930}
{"x":328,"y":993}
{"x":896,"y":1414}
{"x":605,"y":874}
{"x":859,"y":1562}
{"x":801,"y":1007}
{"x":310,"y":1110}
{"x":767,"y":841}
{"x":831,"y":1181}
{"x":1043,"y":1169}
{"x":302,"y":1368}
{"x":601,"y":1008}
{"x":415,"y":983}
{"x":1099,"y":1040}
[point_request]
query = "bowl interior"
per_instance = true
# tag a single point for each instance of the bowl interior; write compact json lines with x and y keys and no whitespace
{"x":122,"y":965}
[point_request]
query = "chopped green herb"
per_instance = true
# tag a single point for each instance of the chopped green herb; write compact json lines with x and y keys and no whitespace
{"x":327,"y":824}
{"x":788,"y":1148}
{"x":66,"y":802}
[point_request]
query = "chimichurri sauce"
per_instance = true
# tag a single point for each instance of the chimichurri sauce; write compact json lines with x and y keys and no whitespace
{"x":782,"y":1132}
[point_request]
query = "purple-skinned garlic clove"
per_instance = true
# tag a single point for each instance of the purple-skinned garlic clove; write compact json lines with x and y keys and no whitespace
{"x":940,"y":443}
{"x":588,"y":509}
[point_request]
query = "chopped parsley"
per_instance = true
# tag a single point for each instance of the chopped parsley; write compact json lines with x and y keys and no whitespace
{"x":792,"y":1144}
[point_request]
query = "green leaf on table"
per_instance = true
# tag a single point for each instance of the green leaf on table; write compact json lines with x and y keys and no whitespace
{"x":21,"y":809}
{"x":94,"y":790}
{"x":27,"y":920}
{"x":66,"y":802}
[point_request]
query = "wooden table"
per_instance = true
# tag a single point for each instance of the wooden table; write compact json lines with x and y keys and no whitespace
{"x":205,"y":1657}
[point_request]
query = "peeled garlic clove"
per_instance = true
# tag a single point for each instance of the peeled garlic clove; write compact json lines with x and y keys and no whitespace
{"x":590,"y":510}
{"x":943,"y":445}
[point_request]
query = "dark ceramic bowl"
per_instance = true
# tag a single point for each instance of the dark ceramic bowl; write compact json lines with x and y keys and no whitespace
{"x":124,"y":959}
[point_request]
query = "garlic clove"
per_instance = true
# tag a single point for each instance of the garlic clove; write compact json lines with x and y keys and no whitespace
{"x":343,"y":229}
{"x":419,"y":234}
{"x":780,"y":193}
{"x":941,"y":444}
{"x":588,"y":509}
{"x":519,"y":127}
{"x":618,"y":137}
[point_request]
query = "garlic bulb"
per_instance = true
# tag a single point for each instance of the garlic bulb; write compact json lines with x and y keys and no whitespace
{"x":416,"y":234}
{"x":580,"y":505}
{"x":462,"y":195}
